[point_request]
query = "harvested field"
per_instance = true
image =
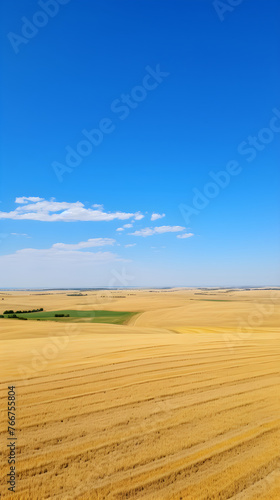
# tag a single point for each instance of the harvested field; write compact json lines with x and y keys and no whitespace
{"x":180,"y":403}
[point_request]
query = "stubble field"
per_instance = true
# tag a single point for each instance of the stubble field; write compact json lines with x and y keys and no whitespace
{"x":181,"y":402}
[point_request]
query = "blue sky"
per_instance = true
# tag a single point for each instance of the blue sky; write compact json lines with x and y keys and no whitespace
{"x":174,"y":90}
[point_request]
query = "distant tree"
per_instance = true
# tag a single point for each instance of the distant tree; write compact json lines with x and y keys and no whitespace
{"x":27,"y":311}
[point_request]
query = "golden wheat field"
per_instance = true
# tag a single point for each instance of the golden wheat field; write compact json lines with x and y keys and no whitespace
{"x":181,"y":402}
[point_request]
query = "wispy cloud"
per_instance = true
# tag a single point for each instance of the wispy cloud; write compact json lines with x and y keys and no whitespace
{"x":149,"y":231}
{"x":185,"y":235}
{"x":60,"y":254}
{"x":92,"y":242}
{"x":57,"y":267}
{"x":157,"y":216}
{"x":125,"y":226}
{"x":51,"y":211}
{"x":20,"y":234}
{"x":26,"y":199}
{"x":130,"y":245}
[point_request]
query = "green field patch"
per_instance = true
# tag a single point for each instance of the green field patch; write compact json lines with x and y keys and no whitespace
{"x":215,"y":300}
{"x":113,"y":317}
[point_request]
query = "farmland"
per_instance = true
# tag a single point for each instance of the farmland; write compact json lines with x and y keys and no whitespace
{"x":180,"y":402}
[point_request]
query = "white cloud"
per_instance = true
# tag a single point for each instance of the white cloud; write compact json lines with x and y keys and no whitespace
{"x":149,"y":231}
{"x":186,"y":235}
{"x":93,"y":242}
{"x":157,"y":216}
{"x":125,"y":226}
{"x":51,"y":211}
{"x":130,"y":245}
{"x":139,"y":216}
